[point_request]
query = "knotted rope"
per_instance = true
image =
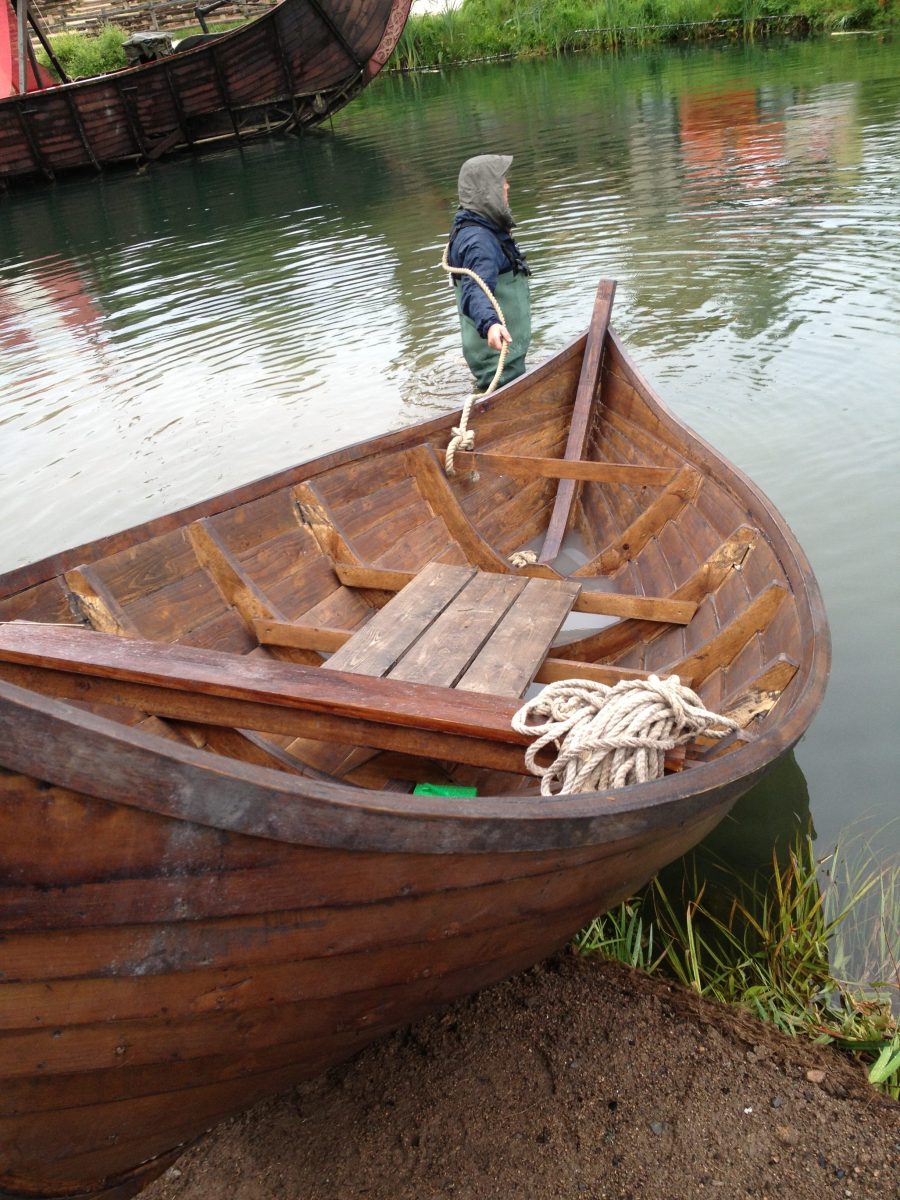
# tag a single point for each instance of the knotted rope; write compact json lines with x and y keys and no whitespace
{"x":609,"y":737}
{"x":464,"y":438}
{"x":522,"y":558}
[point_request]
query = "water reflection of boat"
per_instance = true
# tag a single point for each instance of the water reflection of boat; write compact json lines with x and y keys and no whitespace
{"x":218,"y":876}
{"x":290,"y":68}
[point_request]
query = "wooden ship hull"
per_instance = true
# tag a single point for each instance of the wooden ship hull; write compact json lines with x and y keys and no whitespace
{"x":292,"y":67}
{"x":215,"y":878}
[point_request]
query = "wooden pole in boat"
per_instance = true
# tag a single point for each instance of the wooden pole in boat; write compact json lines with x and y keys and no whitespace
{"x":22,"y":33}
{"x":582,"y":418}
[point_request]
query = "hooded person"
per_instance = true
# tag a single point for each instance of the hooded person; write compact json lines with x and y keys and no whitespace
{"x":480,"y":240}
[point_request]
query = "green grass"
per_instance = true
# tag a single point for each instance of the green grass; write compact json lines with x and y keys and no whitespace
{"x":500,"y":28}
{"x":81,"y":56}
{"x":812,"y":949}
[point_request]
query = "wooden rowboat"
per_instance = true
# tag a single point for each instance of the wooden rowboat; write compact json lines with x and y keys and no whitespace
{"x":215,"y":878}
{"x":292,"y":67}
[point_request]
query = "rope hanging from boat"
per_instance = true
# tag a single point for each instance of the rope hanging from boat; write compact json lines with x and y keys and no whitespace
{"x":464,"y":438}
{"x":610,"y":737}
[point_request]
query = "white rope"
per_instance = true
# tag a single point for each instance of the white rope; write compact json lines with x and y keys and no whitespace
{"x":609,"y":737}
{"x":522,"y":558}
{"x":464,"y":438}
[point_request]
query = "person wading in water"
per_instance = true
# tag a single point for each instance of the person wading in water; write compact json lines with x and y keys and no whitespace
{"x":480,"y":240}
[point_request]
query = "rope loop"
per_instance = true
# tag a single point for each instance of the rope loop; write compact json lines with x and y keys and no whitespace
{"x":610,"y":737}
{"x":522,"y":558}
{"x":463,"y":437}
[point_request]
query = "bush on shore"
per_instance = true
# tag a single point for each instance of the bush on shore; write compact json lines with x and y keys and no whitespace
{"x":81,"y":56}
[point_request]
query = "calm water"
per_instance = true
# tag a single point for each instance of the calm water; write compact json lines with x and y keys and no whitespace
{"x":168,"y":334}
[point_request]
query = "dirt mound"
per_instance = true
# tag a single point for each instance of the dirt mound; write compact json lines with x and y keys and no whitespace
{"x":576,"y":1079}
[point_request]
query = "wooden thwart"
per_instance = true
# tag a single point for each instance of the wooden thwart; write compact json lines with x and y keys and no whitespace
{"x":455,"y":627}
{"x":522,"y":466}
{"x":610,"y":604}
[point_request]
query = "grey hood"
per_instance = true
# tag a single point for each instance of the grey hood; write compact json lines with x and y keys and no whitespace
{"x":481,"y":187}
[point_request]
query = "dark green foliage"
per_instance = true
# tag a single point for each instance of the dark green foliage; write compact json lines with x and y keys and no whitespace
{"x":82,"y":57}
{"x":482,"y":29}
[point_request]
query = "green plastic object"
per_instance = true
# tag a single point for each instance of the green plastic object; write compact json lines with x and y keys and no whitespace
{"x":440,"y":789}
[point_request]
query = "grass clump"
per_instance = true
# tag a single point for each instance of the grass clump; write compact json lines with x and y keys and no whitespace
{"x":792,"y":948}
{"x":81,"y":56}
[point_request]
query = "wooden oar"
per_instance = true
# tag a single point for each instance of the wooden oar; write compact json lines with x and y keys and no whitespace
{"x":582,"y":417}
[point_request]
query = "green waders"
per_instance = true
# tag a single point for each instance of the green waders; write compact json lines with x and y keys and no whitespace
{"x":512,"y":296}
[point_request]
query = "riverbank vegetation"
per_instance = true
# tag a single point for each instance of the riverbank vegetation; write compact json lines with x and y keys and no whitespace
{"x":483,"y":29}
{"x":792,"y":946}
{"x":480,"y":29}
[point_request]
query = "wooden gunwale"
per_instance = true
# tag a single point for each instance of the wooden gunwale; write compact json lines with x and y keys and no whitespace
{"x":63,"y":745}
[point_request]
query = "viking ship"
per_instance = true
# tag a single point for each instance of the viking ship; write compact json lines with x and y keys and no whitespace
{"x":292,"y":67}
{"x":262,"y":800}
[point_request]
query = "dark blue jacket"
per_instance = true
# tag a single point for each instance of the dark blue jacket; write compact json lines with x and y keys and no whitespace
{"x":489,"y":251}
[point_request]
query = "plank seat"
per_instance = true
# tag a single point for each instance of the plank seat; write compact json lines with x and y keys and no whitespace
{"x":456,"y":627}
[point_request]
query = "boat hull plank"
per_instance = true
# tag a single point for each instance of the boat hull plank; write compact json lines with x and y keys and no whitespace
{"x":290,"y":68}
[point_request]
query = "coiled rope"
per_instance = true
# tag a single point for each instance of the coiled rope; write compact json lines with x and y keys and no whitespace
{"x":609,"y":737}
{"x":464,"y":438}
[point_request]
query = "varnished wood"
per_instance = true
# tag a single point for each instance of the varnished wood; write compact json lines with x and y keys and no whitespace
{"x":722,"y":649}
{"x":582,"y":419}
{"x":432,"y":483}
{"x":674,"y":610}
{"x":524,"y":467}
{"x":300,"y":637}
{"x":631,"y":541}
{"x":217,"y":877}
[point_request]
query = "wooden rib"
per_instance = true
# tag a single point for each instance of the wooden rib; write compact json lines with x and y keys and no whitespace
{"x":228,"y":575}
{"x":683,"y":488}
{"x":523,"y":466}
{"x":316,"y":514}
{"x":98,"y":604}
{"x":708,"y":577}
{"x":674,"y":610}
{"x":426,"y":469}
{"x":725,"y":646}
{"x":238,"y":589}
{"x":582,"y":418}
{"x":300,"y":637}
{"x":763,"y":693}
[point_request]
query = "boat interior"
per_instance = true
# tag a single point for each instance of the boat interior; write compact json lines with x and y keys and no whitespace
{"x":359,"y":618}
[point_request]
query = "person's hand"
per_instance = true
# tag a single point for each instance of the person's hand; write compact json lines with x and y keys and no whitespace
{"x":497,"y":335}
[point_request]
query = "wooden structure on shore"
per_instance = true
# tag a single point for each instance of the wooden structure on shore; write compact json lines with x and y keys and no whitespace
{"x":215,"y":875}
{"x":290,"y":68}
